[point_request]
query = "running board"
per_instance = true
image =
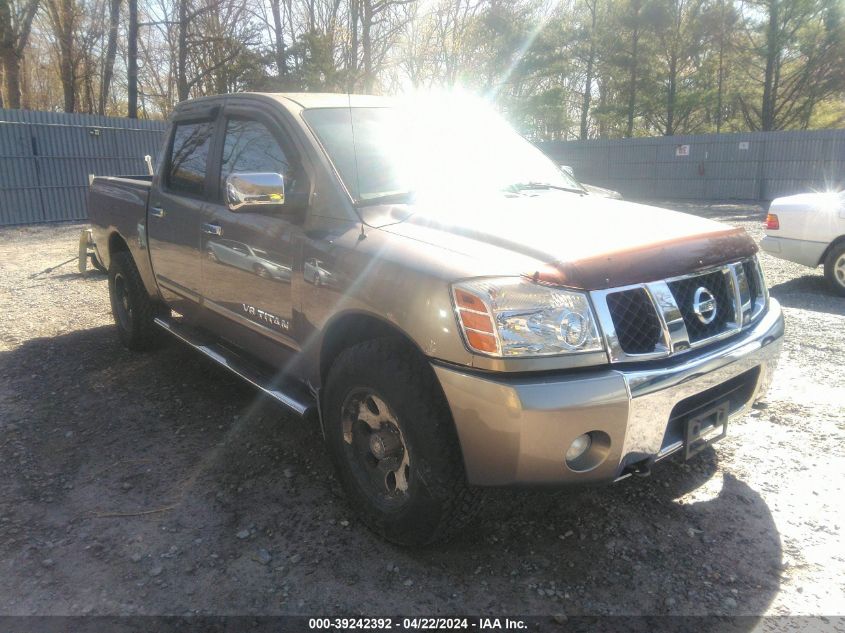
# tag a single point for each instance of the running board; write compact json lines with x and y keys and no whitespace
{"x":294,"y":397}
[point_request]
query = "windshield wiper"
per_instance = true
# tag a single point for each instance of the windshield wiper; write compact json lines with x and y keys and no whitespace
{"x":529,"y":186}
{"x":387,"y":198}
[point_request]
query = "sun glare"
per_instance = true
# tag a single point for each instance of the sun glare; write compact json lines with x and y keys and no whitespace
{"x":454,"y":144}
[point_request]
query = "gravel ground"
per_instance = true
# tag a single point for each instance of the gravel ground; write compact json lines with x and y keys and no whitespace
{"x":159,"y":484}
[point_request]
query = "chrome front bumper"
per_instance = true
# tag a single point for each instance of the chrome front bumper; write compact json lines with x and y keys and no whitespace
{"x":516,"y":430}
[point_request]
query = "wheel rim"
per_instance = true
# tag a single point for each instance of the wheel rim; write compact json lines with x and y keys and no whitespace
{"x":839,"y":270}
{"x":123,"y":306}
{"x":261,"y":272}
{"x":376,"y":448}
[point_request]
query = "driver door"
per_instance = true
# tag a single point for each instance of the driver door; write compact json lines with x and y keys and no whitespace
{"x":249,"y":254}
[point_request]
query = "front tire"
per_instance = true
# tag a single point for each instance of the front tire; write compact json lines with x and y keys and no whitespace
{"x":393,"y":444}
{"x":131,"y":305}
{"x":834,"y":268}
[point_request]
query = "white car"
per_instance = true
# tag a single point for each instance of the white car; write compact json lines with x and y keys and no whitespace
{"x":248,"y":258}
{"x":809,"y":229}
{"x":315,"y":272}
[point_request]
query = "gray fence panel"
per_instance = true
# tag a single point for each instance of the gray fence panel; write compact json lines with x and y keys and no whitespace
{"x":45,"y":159}
{"x":64,"y":203}
{"x":20,"y":206}
{"x":15,"y":140}
{"x":16,"y":173}
{"x":744,"y":166}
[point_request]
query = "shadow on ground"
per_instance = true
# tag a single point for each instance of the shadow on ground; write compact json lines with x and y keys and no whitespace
{"x":810,"y":292}
{"x":160,"y":484}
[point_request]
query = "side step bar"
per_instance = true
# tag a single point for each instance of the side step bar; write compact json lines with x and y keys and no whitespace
{"x":294,"y":397}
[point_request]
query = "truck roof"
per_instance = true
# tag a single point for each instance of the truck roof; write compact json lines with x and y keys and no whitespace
{"x":330,"y":99}
{"x":296,"y":101}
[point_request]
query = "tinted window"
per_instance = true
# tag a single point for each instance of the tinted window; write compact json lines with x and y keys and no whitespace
{"x":362,"y":173}
{"x":250,"y":147}
{"x":189,"y":157}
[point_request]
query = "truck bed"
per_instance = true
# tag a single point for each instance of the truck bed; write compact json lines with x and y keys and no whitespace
{"x":119,"y":204}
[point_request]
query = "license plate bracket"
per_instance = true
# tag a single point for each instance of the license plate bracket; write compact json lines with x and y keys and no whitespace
{"x":705,"y":428}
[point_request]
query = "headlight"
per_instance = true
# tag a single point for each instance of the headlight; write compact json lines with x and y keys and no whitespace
{"x":514,"y":317}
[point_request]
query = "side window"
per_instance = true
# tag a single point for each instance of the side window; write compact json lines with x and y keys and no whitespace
{"x":189,"y":157}
{"x":250,"y":147}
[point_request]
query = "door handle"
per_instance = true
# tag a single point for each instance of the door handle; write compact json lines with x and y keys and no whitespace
{"x":157,"y":212}
{"x":212,"y":229}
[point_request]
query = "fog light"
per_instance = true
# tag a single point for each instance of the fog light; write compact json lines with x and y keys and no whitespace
{"x":579,"y":446}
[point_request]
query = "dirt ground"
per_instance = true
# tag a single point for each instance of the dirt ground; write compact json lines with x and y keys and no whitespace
{"x":159,"y":484}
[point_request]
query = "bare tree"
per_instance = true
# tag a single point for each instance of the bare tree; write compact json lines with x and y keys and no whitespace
{"x":15,"y":26}
{"x":279,"y":40}
{"x":559,"y":70}
{"x":593,"y":11}
{"x":111,"y":52}
{"x":634,"y":18}
{"x":63,"y":18}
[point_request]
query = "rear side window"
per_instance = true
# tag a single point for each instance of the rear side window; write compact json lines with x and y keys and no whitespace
{"x":189,"y":157}
{"x":250,"y":147}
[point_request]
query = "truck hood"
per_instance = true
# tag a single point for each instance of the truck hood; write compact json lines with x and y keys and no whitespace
{"x":579,"y":241}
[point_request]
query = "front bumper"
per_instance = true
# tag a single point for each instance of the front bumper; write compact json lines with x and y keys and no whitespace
{"x":802,"y":252}
{"x":516,"y":430}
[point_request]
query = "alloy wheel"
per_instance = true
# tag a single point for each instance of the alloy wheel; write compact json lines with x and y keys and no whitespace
{"x":376,"y":447}
{"x":839,"y":270}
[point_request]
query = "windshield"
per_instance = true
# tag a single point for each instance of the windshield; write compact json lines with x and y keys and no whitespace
{"x":431,"y":151}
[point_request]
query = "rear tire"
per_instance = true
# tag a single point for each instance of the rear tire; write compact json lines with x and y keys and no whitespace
{"x":834,"y":268}
{"x":131,"y":305}
{"x":382,"y":393}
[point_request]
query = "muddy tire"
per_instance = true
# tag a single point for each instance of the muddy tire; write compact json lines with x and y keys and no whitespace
{"x":132,"y":308}
{"x":394,"y":446}
{"x":834,"y":268}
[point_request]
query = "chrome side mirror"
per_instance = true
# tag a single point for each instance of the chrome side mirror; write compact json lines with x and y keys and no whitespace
{"x":246,"y":191}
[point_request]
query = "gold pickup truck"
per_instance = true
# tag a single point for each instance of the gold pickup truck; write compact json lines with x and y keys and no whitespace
{"x":454,"y":309}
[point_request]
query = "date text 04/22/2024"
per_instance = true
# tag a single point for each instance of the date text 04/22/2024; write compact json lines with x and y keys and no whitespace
{"x":415,"y":624}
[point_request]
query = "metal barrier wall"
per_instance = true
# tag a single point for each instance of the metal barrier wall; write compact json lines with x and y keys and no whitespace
{"x":45,"y":159}
{"x":745,"y":166}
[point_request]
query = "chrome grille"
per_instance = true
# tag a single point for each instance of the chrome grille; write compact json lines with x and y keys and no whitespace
{"x":636,"y":321}
{"x":662,"y":318}
{"x":749,"y":269}
{"x":718,"y":285}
